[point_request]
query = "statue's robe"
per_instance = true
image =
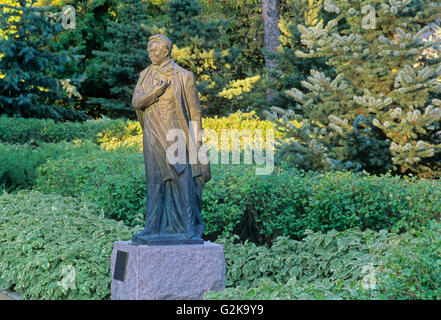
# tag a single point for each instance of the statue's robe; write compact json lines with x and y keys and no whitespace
{"x":173,"y":190}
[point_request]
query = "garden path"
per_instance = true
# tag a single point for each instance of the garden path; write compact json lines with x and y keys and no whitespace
{"x":6,"y":295}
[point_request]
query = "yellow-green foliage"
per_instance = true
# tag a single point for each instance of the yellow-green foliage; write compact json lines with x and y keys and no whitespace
{"x":4,"y":33}
{"x":239,"y":121}
{"x":236,"y":87}
{"x":231,"y":3}
{"x":196,"y":59}
{"x":122,"y":131}
{"x":128,"y":142}
{"x":131,"y":135}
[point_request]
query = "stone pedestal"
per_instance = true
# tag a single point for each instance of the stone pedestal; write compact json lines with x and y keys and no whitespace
{"x":176,"y":272}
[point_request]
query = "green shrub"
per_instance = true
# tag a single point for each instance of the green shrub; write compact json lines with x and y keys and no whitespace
{"x":290,"y":202}
{"x":112,"y":133}
{"x":114,"y":180}
{"x":414,"y":269}
{"x":20,"y":130}
{"x":341,"y":200}
{"x":44,"y":238}
{"x":130,"y":133}
{"x":237,"y":201}
{"x":258,"y":208}
{"x":119,"y":132}
{"x":19,"y":163}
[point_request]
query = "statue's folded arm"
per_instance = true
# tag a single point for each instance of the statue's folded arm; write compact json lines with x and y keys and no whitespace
{"x":142,"y":100}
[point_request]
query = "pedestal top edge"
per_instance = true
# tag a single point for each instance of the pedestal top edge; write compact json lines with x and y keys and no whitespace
{"x":206,"y":244}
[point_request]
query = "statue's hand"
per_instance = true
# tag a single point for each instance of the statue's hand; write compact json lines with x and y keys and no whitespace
{"x":163,"y":85}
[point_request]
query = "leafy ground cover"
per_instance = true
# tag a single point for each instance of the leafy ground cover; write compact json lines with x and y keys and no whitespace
{"x":53,"y":247}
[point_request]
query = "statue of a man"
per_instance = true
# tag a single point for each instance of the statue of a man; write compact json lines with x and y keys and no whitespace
{"x":166,"y":101}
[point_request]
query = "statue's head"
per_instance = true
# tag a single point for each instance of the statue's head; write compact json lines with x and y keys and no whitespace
{"x":159,"y":48}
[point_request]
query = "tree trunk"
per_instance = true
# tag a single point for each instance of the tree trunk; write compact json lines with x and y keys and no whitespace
{"x":271,"y":34}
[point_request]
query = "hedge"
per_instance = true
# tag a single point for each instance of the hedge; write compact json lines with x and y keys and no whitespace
{"x":19,"y":162}
{"x":131,"y":134}
{"x":414,"y":269}
{"x":20,"y":130}
{"x":114,"y":180}
{"x":111,"y":132}
{"x":258,"y":208}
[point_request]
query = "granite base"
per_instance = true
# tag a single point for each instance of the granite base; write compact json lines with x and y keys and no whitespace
{"x":172,"y":272}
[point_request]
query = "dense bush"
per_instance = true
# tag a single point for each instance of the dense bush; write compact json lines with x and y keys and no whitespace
{"x":414,"y":270}
{"x":261,"y":208}
{"x":130,"y":134}
{"x":119,"y":132}
{"x":258,"y":208}
{"x":114,"y":180}
{"x":47,"y":241}
{"x":19,"y":163}
{"x":19,"y":130}
{"x":113,"y":133}
{"x":242,"y":122}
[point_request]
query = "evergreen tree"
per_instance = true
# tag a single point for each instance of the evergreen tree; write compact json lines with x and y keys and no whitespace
{"x":92,"y":17}
{"x":243,"y":31}
{"x":29,"y":83}
{"x":380,"y":111}
{"x":123,"y":57}
{"x":291,"y":69}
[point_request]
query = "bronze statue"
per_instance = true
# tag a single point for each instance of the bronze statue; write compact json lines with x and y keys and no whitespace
{"x":165,"y":99}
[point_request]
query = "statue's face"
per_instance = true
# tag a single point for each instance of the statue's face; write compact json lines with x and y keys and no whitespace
{"x":157,"y":53}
